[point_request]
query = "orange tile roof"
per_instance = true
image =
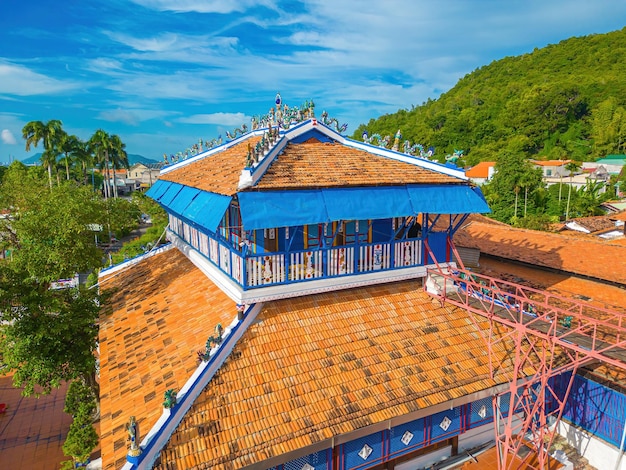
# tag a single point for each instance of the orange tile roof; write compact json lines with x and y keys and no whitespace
{"x":160,"y":314}
{"x":218,"y":173}
{"x":595,"y":223}
{"x":550,"y":162}
{"x":303,"y":165}
{"x":618,"y":216}
{"x":480,"y":170}
{"x":586,"y":256}
{"x":320,"y":164}
{"x":324,"y":365}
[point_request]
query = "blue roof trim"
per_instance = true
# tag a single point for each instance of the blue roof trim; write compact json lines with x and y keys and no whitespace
{"x":367,"y":203}
{"x":207,"y":209}
{"x":447,"y":199}
{"x":282,"y":208}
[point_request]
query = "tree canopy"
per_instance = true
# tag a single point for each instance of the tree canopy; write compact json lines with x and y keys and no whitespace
{"x":566,"y":100}
{"x":47,"y":335}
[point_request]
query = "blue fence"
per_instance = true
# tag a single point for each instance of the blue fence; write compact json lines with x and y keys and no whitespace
{"x":593,"y":407}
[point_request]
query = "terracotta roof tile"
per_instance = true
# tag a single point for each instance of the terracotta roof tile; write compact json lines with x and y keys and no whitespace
{"x":318,"y":164}
{"x":584,"y":256}
{"x":595,"y":223}
{"x":319,"y":366}
{"x":148,"y":342}
{"x":303,"y":165}
{"x":218,"y":173}
{"x":480,"y":170}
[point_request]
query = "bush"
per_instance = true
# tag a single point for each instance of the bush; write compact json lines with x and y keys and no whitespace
{"x":79,"y":395}
{"x":82,"y":438}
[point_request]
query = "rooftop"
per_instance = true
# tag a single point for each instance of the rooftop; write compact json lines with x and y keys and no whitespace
{"x":480,"y":170}
{"x":149,"y":340}
{"x":550,"y":250}
{"x":316,"y":367}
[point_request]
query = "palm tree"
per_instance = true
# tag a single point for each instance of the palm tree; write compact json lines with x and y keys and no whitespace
{"x":119,"y":158}
{"x":48,"y":133}
{"x":571,"y":167}
{"x":83,"y":155}
{"x":68,"y":144}
{"x":101,"y":145}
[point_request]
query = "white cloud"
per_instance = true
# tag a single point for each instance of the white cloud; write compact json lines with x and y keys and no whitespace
{"x":203,"y":6}
{"x":130,"y":116}
{"x":224,"y":119}
{"x":21,"y":81}
{"x":7,"y":137}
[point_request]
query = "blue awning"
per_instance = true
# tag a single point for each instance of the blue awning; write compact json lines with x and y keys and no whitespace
{"x":268,"y":209}
{"x":158,"y":189}
{"x":183,"y":198}
{"x":282,"y":208}
{"x":207,"y":209}
{"x":367,"y":203}
{"x":169,"y":195}
{"x":447,"y":199}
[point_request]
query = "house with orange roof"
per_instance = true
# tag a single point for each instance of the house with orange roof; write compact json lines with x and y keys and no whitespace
{"x":552,"y":168}
{"x":481,"y":172}
{"x":289,"y":324}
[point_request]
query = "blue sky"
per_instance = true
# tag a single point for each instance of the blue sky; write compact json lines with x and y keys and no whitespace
{"x":163,"y":73}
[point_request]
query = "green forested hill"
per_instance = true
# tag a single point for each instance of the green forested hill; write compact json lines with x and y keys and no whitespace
{"x":565,"y":100}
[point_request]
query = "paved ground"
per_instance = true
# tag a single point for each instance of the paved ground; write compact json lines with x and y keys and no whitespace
{"x":32,"y":430}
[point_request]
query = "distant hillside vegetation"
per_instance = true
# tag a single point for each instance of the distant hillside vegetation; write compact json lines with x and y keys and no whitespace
{"x":565,"y":100}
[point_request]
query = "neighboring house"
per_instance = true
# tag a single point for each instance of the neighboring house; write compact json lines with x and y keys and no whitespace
{"x":145,"y":174}
{"x":290,"y":316}
{"x":612,"y":164}
{"x":481,"y":173}
{"x":552,"y":168}
{"x":589,"y":224}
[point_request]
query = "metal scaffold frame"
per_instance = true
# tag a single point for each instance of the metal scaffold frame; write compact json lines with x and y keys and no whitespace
{"x":547,"y":335}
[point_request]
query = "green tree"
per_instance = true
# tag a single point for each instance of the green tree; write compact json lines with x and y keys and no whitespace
{"x":47,"y":335}
{"x":513,"y":172}
{"x":69,"y":146}
{"x":82,"y":438}
{"x":49,"y":133}
{"x":102,"y":146}
{"x":119,"y":158}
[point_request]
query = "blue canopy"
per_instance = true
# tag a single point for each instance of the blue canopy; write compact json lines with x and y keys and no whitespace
{"x":447,"y":199}
{"x":170,"y":194}
{"x":268,"y":209}
{"x":201,"y":207}
{"x":207,"y":209}
{"x":158,"y":189}
{"x":282,"y":208}
{"x":183,"y":198}
{"x":367,"y":203}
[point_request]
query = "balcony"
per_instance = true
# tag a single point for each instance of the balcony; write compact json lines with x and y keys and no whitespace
{"x":252,"y":277}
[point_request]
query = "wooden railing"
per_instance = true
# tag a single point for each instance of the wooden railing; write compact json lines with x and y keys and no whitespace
{"x":274,"y":268}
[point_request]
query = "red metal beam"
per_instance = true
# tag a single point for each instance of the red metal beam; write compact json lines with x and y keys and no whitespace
{"x":550,"y":334}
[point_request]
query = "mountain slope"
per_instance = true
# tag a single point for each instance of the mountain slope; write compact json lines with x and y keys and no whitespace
{"x":564,"y":100}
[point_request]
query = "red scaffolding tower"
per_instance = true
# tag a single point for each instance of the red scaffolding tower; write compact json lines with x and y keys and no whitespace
{"x":551,"y":335}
